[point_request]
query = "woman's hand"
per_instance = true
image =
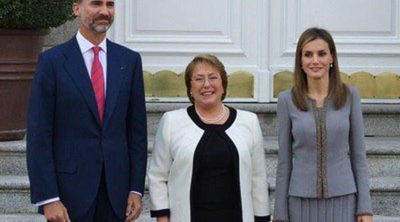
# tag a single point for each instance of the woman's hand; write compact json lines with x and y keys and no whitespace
{"x":163,"y":219}
{"x":365,"y":218}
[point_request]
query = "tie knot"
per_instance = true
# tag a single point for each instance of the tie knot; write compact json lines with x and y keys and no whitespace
{"x":96,"y":50}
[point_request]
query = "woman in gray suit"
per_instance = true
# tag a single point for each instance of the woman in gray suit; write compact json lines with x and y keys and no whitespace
{"x":322,"y":168}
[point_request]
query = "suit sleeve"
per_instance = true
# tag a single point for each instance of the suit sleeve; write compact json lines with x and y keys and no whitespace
{"x":158,"y":174}
{"x":259,"y":176}
{"x":284,"y":168}
{"x":358,"y":156}
{"x":137,"y":130}
{"x":41,"y":110}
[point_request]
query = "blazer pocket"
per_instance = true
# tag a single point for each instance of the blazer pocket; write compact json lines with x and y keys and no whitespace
{"x":67,"y":167}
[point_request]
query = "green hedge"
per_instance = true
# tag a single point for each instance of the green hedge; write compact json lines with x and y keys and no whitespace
{"x":32,"y":14}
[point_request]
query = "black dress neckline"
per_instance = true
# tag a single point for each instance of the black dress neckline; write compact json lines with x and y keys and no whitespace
{"x":196,"y":119}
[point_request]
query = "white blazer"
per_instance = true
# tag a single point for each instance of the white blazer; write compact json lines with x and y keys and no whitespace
{"x":171,"y":165}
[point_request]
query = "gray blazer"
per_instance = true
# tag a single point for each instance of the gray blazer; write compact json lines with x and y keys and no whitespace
{"x":321,"y":159}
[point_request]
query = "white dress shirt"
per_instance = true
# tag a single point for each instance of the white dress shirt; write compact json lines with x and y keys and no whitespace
{"x":88,"y":55}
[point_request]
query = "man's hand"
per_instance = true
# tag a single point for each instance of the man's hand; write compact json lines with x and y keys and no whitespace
{"x":365,"y":218}
{"x":133,"y":207}
{"x":56,"y":212}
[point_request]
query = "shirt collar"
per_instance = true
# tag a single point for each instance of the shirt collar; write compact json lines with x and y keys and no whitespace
{"x":85,"y":45}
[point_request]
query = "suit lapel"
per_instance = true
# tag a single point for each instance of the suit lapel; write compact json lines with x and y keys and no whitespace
{"x":115,"y":75}
{"x":75,"y":67}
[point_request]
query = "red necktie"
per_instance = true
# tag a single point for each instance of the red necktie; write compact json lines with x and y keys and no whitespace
{"x":97,"y":78}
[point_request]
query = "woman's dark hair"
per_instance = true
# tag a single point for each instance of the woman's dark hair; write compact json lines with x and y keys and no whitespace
{"x":338,"y":91}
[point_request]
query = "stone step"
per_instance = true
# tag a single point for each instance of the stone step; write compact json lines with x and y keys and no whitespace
{"x":379,"y":119}
{"x":13,"y":158}
{"x":22,"y":218}
{"x":378,"y":218}
{"x":14,"y":190}
{"x":383,"y":156}
{"x":142,"y":218}
{"x":41,"y":218}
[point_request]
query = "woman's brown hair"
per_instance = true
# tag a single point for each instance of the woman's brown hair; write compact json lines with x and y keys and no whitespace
{"x":338,"y":91}
{"x":214,"y":62}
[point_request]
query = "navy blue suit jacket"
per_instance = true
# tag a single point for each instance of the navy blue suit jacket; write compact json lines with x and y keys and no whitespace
{"x":67,"y":145}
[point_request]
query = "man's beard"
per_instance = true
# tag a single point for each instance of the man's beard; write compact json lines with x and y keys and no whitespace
{"x":101,"y":28}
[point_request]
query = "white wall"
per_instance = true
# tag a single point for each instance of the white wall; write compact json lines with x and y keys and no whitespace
{"x":258,"y":36}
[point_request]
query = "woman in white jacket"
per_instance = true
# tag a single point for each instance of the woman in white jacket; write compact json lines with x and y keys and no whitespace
{"x":208,"y":162}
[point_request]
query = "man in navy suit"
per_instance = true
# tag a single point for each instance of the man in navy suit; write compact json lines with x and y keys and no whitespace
{"x":87,"y":138}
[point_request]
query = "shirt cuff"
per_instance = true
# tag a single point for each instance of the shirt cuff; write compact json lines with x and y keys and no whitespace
{"x":41,"y":203}
{"x":132,"y":191}
{"x":160,"y":213}
{"x":262,"y":218}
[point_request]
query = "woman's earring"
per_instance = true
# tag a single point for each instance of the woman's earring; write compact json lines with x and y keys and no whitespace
{"x":331,"y":65}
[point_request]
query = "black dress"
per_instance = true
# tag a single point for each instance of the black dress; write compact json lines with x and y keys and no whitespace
{"x":215,"y":188}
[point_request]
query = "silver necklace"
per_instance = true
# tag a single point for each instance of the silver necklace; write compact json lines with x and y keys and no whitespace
{"x":216,"y":119}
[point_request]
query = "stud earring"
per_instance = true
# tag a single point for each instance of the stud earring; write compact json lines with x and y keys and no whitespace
{"x":331,"y":65}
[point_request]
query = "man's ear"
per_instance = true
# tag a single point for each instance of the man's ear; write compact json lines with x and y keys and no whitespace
{"x":75,"y":9}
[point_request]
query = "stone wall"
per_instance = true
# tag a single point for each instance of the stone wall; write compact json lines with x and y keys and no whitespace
{"x":61,"y":34}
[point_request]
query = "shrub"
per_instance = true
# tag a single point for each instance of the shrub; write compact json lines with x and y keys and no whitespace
{"x":34,"y":14}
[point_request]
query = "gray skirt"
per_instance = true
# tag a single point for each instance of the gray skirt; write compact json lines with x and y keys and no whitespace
{"x":335,"y":209}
